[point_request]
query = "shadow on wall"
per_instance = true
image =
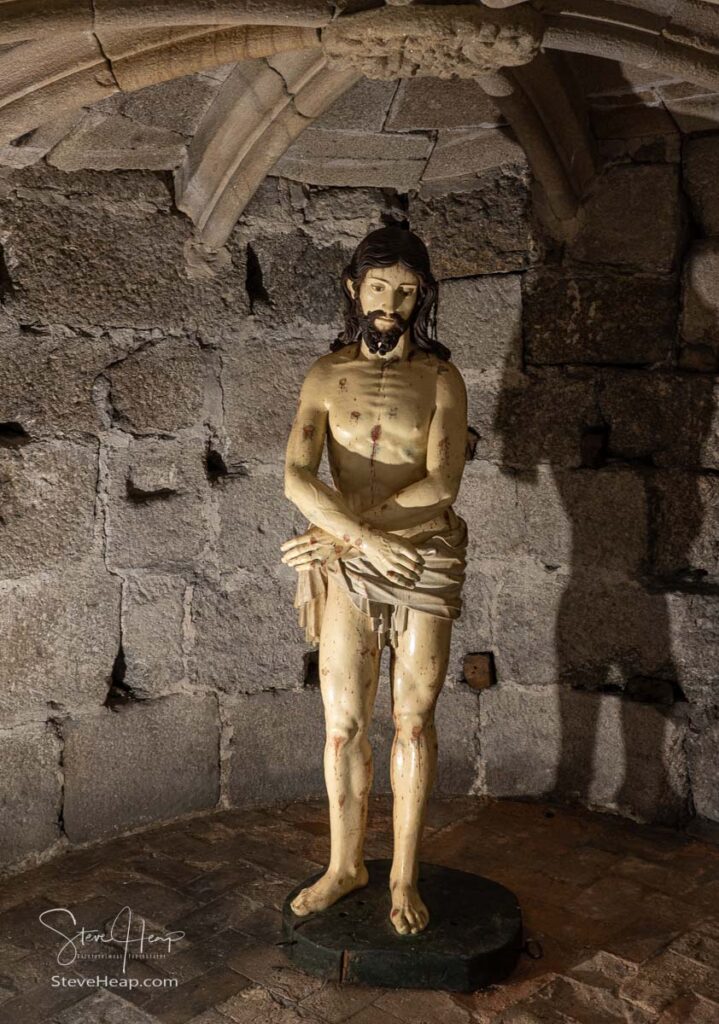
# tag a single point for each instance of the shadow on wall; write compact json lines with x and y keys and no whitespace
{"x":623,"y":439}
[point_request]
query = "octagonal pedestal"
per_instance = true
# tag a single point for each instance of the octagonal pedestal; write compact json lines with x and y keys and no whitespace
{"x":474,"y":937}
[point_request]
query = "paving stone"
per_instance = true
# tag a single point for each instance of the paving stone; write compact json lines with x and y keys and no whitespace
{"x":690,"y":1007}
{"x":146,"y":761}
{"x":697,"y":946}
{"x":423,"y":1007}
{"x":603,"y":970}
{"x":40,"y":1003}
{"x":575,"y":316}
{"x":665,"y":977}
{"x":194,"y":956}
{"x":268,"y":966}
{"x":334,"y":1002}
{"x":150,"y":900}
{"x":574,"y":1001}
{"x":594,"y":937}
{"x":255,"y":1005}
{"x":196,"y":996}
{"x":61,"y":634}
{"x":31,"y":791}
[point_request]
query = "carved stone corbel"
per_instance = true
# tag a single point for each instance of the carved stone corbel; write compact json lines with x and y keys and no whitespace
{"x":442,"y":41}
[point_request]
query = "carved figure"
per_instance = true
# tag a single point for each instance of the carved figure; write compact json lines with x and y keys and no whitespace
{"x":384,"y":558}
{"x":466,"y":40}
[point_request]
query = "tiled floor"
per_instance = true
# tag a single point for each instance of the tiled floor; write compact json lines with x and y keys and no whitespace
{"x":627,"y":918}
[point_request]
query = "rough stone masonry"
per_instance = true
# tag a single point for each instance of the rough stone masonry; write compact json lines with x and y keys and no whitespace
{"x":151,"y":663}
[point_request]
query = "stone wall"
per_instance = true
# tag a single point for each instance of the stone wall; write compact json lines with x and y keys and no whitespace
{"x":152,"y":666}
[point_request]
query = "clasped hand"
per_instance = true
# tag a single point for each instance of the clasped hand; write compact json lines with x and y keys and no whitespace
{"x":394,"y":557}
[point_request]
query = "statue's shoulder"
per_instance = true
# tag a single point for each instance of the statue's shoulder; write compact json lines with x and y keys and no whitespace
{"x":450,"y":383}
{"x":445,"y":370}
{"x":332,"y":361}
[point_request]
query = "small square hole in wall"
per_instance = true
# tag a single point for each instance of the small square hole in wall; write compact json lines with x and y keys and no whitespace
{"x":478,"y":670}
{"x":594,"y":446}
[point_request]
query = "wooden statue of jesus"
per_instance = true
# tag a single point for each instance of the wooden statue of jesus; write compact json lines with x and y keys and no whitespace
{"x":384,"y":558}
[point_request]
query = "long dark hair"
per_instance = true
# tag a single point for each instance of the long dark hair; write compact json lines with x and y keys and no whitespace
{"x":383,"y":248}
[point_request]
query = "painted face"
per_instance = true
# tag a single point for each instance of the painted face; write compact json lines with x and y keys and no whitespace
{"x":387,"y":298}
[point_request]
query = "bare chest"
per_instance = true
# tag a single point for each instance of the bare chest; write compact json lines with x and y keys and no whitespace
{"x":387,"y":405}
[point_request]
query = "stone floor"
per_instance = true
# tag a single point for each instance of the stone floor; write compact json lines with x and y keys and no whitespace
{"x":627,"y":919}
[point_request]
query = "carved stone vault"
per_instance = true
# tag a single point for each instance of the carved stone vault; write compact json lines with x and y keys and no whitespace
{"x":290,"y":60}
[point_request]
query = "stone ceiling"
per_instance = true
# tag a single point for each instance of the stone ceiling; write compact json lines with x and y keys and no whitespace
{"x":223,"y":92}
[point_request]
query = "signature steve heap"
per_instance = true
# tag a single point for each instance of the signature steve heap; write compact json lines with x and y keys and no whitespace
{"x":118,"y":933}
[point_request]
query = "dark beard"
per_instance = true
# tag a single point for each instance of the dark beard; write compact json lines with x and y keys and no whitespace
{"x":381,"y":342}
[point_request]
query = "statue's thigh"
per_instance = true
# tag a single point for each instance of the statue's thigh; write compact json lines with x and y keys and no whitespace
{"x":420,"y":662}
{"x":349,"y":654}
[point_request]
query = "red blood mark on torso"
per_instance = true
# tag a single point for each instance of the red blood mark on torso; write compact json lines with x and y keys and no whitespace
{"x":375,"y":434}
{"x":308,"y":431}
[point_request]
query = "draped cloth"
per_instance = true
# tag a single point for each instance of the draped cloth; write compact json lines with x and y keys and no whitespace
{"x":438,"y":591}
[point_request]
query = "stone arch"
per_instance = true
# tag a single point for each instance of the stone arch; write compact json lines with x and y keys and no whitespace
{"x":295,"y":57}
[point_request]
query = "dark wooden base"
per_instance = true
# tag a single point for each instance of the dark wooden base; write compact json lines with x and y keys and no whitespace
{"x":474,"y":937}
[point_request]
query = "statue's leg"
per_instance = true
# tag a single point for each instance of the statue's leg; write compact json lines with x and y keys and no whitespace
{"x":419,"y":668}
{"x":349,"y":671}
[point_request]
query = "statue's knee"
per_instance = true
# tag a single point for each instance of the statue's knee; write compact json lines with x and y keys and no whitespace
{"x":412,"y":725}
{"x":342,"y":733}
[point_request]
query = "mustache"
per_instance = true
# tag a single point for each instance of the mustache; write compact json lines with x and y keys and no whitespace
{"x":377,"y":314}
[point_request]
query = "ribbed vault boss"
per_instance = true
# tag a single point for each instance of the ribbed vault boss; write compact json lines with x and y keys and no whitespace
{"x":384,"y":558}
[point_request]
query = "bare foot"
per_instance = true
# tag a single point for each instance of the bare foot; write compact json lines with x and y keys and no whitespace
{"x":409,"y":915}
{"x":327,"y":890}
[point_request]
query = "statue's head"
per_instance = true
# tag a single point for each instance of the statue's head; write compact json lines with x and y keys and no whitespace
{"x":392,"y":260}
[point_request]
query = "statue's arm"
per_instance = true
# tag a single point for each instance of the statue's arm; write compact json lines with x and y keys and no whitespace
{"x":321,"y":504}
{"x":446,"y":448}
{"x":391,"y":556}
